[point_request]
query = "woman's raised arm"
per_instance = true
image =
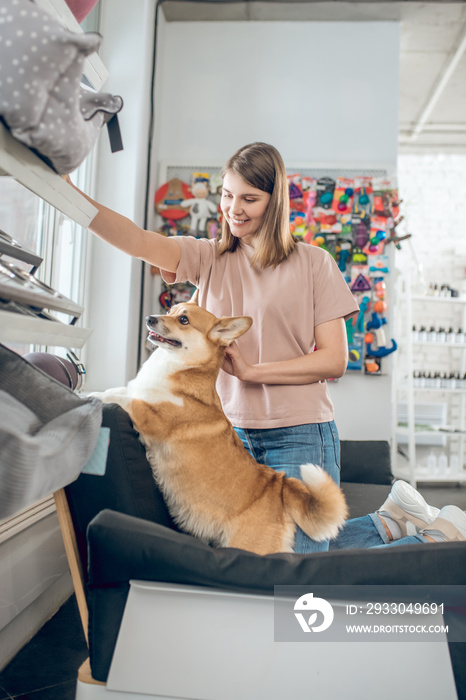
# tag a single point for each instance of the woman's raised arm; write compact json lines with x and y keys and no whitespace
{"x":125,"y":235}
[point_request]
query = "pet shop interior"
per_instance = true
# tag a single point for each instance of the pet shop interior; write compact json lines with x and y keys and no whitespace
{"x":142,"y":103}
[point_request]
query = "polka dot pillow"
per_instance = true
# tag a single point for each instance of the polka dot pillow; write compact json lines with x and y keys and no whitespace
{"x":41,"y":99}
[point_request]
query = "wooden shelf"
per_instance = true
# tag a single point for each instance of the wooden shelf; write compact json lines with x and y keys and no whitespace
{"x":16,"y":328}
{"x":21,"y":163}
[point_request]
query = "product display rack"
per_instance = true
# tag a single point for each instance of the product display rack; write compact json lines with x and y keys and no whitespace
{"x":36,"y":326}
{"x":438,"y":390}
{"x":28,"y":169}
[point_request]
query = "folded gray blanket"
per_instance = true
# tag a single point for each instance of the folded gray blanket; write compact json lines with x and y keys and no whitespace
{"x":47,"y":433}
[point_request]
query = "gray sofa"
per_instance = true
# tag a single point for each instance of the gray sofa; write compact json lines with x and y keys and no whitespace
{"x":124,"y":532}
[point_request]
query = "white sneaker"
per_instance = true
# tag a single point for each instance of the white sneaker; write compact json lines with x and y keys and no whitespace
{"x":450,"y":524}
{"x":408,"y":509}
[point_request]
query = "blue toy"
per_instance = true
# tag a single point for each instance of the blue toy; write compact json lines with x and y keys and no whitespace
{"x":363,"y":306}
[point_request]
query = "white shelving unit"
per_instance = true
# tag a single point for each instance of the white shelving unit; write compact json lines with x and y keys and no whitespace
{"x":20,"y":162}
{"x":413,"y":308}
{"x":15,"y":328}
{"x":17,"y":161}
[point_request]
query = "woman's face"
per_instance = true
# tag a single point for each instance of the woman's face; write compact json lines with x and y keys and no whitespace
{"x":243,"y":206}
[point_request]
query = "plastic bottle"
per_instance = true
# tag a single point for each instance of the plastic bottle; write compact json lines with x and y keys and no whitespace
{"x":442,"y":463}
{"x":441,"y":335}
{"x":432,"y":335}
{"x":444,"y":381}
{"x":431,"y":463}
{"x":460,"y":336}
{"x":415,"y":334}
{"x":422,"y":334}
{"x":454,"y":464}
{"x":451,"y":336}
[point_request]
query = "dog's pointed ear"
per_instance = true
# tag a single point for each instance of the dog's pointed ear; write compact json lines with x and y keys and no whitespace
{"x":226,"y":330}
{"x":195,"y":297}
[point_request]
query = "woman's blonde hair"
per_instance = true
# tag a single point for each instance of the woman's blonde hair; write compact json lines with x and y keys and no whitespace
{"x":262,"y":167}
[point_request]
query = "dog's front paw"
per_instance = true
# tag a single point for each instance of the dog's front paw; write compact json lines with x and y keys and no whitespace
{"x":118,"y":396}
{"x":95,"y":395}
{"x":110,"y":395}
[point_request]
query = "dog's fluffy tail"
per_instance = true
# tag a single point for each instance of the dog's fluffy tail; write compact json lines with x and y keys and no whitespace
{"x":316,"y":504}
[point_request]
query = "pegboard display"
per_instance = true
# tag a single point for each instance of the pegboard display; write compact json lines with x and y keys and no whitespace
{"x":350,"y":212}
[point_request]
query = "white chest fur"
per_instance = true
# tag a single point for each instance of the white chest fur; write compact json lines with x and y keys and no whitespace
{"x":152,"y":383}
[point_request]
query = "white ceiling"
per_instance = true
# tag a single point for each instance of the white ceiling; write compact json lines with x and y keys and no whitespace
{"x":432,"y":112}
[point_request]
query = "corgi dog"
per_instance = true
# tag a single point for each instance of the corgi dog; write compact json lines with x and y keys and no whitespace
{"x":213,"y":488}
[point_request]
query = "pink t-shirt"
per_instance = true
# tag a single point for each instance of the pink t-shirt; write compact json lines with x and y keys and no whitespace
{"x":285,"y":303}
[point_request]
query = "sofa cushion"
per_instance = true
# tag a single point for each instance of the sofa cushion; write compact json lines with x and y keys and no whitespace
{"x":366,"y":461}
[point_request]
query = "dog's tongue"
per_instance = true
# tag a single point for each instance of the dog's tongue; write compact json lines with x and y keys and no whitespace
{"x":161,"y":339}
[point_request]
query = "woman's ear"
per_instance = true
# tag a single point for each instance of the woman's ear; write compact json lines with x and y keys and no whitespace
{"x":226,"y":330}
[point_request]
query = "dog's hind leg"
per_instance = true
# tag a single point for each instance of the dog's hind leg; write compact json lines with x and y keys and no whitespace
{"x":268,"y":539}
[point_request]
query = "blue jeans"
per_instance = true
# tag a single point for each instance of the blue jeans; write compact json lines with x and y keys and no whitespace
{"x":368,"y":532}
{"x":286,"y":449}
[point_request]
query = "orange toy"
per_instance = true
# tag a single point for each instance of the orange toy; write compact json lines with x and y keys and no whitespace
{"x":168,"y":199}
{"x":380,"y":307}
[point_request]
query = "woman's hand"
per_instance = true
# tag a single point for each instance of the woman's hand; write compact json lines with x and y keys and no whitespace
{"x":235,"y":364}
{"x":328,"y":361}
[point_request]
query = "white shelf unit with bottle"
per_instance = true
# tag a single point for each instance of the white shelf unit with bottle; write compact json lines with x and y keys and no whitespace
{"x":430,"y":386}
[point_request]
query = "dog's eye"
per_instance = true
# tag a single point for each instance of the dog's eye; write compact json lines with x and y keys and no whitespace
{"x":184,"y":320}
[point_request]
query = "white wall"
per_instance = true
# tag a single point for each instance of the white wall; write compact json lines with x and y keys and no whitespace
{"x":114,"y":278}
{"x":321,"y":92}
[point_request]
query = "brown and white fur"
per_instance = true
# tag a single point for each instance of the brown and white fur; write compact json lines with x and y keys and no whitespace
{"x":214,"y":489}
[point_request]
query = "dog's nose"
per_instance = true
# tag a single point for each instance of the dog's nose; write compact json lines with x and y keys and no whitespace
{"x":151,"y":321}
